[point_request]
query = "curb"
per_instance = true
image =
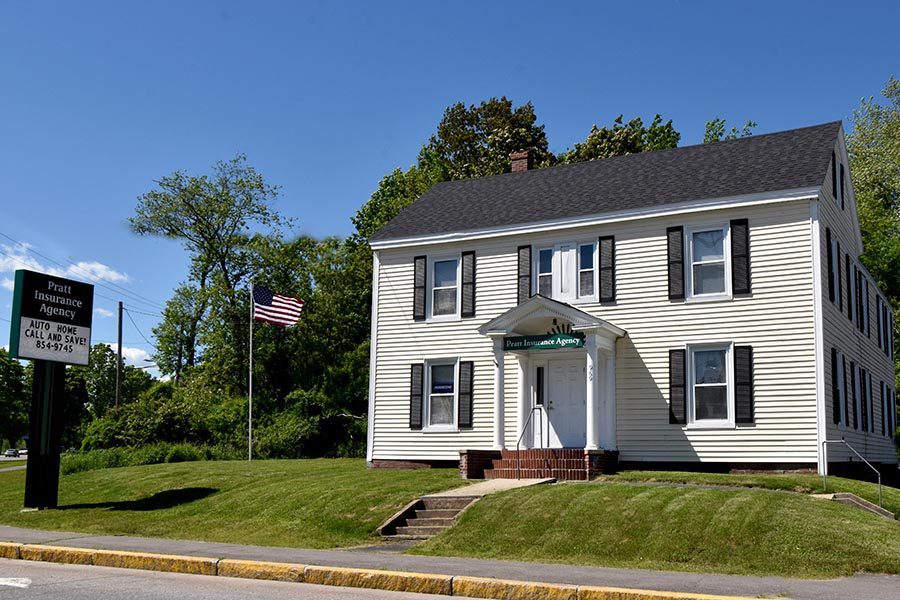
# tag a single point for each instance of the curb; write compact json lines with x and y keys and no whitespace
{"x":397,"y":581}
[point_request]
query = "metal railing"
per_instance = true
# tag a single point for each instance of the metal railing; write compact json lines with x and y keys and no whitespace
{"x":525,"y":430}
{"x":852,"y":449}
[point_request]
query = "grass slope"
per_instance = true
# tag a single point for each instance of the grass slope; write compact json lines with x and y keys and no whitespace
{"x":321,"y":503}
{"x":612,"y":524}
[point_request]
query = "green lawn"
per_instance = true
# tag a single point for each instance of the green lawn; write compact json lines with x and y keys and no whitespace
{"x":796,"y":482}
{"x":322,"y":503}
{"x":620,"y":524}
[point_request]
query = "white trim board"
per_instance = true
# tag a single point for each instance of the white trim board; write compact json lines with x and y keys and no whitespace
{"x":690,"y":206}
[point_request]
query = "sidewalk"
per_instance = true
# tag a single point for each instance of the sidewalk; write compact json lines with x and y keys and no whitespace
{"x":883,"y":587}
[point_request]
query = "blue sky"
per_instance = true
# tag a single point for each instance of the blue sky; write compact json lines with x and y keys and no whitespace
{"x":98,"y":99}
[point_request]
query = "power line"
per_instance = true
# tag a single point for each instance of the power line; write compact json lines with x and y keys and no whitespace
{"x":138,"y":312}
{"x":130,"y":318}
{"x":109,"y":285}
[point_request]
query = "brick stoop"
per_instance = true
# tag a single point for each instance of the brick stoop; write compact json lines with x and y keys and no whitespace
{"x":566,"y":464}
{"x":425,"y":517}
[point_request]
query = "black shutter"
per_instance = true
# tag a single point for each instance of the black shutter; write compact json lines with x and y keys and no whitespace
{"x":878,"y":314}
{"x":840,"y":280}
{"x":835,"y":393}
{"x":859,"y":298}
{"x":740,"y":256}
{"x":853,"y":392}
{"x":466,"y":370}
{"x":834,"y":176}
{"x":743,"y":384}
{"x":830,"y":264}
{"x":846,"y":395}
{"x":866,"y":311}
{"x":419,"y":279}
{"x":468,"y":284}
{"x":524,"y":273}
{"x":675,"y":243}
{"x":843,"y":187}
{"x":863,"y":400}
{"x":677,"y":395}
{"x":849,"y":288}
{"x":416,"y":383}
{"x":607,"y":269}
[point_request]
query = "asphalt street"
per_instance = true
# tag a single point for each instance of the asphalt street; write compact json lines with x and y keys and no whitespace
{"x":25,"y":580}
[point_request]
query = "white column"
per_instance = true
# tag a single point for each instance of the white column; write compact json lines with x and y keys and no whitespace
{"x":498,"y":394}
{"x":608,"y":405}
{"x":524,"y":400}
{"x":591,"y":373}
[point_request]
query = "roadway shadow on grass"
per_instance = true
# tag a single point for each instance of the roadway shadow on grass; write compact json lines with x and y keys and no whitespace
{"x":158,"y":501}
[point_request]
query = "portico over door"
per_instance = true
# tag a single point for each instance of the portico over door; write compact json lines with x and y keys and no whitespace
{"x":577,"y":351}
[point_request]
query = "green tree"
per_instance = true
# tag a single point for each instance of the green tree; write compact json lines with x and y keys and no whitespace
{"x":628,"y":138}
{"x":476,"y":140}
{"x":715,"y":131}
{"x":13,"y":399}
{"x":874,"y":147}
{"x":213,"y":217}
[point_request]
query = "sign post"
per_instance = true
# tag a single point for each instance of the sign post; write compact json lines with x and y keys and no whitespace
{"x":51,"y":324}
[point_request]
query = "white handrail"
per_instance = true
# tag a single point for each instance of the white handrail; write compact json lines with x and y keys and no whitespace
{"x":861,"y":457}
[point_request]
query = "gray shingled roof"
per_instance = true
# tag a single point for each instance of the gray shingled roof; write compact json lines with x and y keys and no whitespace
{"x":762,"y":163}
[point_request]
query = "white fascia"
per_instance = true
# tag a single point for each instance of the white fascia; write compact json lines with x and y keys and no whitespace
{"x":690,"y":206}
{"x":818,"y":325}
{"x":373,"y":351}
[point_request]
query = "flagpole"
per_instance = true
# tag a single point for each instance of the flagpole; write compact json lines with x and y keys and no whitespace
{"x":250,"y":411}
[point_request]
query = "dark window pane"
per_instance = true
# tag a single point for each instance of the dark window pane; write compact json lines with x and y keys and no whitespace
{"x":441,"y":410}
{"x":711,"y":403}
{"x":442,"y":378}
{"x":709,"y":279}
{"x":709,"y":245}
{"x":586,"y":257}
{"x":444,"y":302}
{"x":545,"y":285}
{"x":709,"y":366}
{"x":444,"y":273}
{"x":546,"y":261}
{"x":586,"y":283}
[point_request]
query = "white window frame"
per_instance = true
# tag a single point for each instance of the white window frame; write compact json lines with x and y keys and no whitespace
{"x":728,"y":422}
{"x":429,"y":287}
{"x":426,"y":408}
{"x":689,"y":232}
{"x":573,"y":248}
{"x":851,"y":294}
{"x":578,"y":270}
{"x":839,"y":365}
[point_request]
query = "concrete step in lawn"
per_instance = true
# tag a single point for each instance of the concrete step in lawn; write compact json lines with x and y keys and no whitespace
{"x":425,"y":517}
{"x":856,"y":501}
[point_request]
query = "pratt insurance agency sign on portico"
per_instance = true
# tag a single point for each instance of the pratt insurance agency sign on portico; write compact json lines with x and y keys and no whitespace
{"x":51,"y":318}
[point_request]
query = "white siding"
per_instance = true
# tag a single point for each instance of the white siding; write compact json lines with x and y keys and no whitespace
{"x":841,"y":333}
{"x":777,"y":320}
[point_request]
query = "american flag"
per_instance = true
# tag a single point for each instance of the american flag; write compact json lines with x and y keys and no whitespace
{"x":273,"y":308}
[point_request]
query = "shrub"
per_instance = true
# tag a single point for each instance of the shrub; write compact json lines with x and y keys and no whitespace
{"x":108,"y":458}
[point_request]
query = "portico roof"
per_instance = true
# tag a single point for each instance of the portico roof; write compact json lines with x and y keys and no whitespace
{"x":534,"y":315}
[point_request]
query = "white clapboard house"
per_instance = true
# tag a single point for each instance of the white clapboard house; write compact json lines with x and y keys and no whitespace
{"x":698,"y":308}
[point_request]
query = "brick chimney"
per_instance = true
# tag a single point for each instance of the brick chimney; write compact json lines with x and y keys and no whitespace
{"x":521,"y":161}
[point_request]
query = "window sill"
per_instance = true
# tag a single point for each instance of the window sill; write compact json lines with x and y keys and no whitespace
{"x":440,"y":429}
{"x":709,"y":298}
{"x":442,"y":319}
{"x":710,"y":425}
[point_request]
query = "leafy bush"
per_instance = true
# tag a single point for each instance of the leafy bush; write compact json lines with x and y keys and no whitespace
{"x":108,"y":458}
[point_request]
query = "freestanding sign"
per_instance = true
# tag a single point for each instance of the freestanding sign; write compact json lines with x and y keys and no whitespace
{"x":51,"y":318}
{"x":51,"y":323}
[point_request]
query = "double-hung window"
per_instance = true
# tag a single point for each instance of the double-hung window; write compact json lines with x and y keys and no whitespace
{"x":443,"y":293}
{"x":711,"y":401}
{"x":567,"y":271}
{"x":708,"y":264}
{"x":440,"y":386}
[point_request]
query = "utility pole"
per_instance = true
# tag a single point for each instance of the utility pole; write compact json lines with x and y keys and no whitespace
{"x":119,"y":358}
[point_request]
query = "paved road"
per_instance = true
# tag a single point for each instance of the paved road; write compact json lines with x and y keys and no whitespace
{"x":25,"y":580}
{"x":880,"y":587}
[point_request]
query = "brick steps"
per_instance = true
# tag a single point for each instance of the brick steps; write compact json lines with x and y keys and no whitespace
{"x":566,"y":464}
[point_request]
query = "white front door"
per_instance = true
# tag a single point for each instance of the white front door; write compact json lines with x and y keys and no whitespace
{"x":566,"y":404}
